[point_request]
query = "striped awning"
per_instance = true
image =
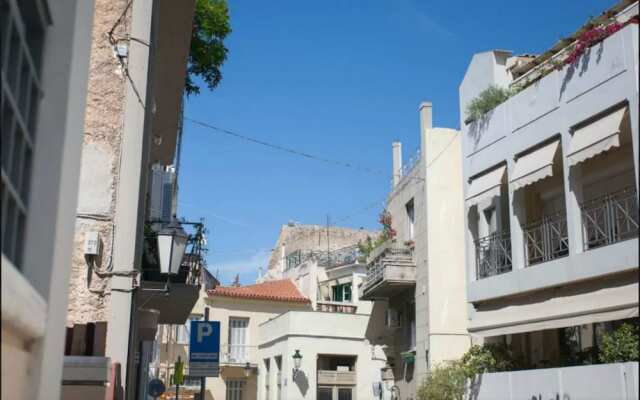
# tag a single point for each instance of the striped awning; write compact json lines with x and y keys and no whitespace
{"x":535,"y":165}
{"x":485,"y":186}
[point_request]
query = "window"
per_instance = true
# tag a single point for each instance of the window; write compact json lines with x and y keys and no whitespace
{"x":238,"y":330}
{"x":22,"y":36}
{"x":183,"y":332}
{"x":341,"y":293}
{"x":411,"y":219}
{"x":235,"y":389}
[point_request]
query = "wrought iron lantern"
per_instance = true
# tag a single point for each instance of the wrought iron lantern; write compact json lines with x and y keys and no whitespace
{"x":297,"y":361}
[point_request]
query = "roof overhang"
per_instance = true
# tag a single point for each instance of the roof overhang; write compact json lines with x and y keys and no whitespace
{"x":172,"y":32}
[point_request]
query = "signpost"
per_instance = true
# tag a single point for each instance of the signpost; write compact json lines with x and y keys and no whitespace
{"x":204,"y":348}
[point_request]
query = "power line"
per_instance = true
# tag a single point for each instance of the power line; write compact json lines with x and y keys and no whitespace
{"x":285,"y":149}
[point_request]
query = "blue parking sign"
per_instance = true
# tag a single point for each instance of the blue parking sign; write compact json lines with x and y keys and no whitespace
{"x":204,"y":348}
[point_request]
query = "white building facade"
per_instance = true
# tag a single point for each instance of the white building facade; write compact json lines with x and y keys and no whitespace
{"x":551,"y":213}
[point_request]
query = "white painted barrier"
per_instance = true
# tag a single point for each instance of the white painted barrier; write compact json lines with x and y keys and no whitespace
{"x":588,"y":382}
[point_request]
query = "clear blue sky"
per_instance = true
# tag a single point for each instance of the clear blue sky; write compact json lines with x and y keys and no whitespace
{"x":340,"y":79}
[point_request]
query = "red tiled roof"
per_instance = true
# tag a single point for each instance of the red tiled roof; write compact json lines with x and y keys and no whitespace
{"x":279,"y":290}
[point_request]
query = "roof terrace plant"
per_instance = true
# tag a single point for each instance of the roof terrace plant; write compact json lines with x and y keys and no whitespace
{"x":486,"y":101}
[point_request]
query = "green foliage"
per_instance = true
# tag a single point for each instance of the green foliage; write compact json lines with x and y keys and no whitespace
{"x":448,"y":381}
{"x":444,"y":382}
{"x":210,"y":27}
{"x":388,"y":233}
{"x":621,"y":345}
{"x":486,"y":101}
{"x":369,"y":245}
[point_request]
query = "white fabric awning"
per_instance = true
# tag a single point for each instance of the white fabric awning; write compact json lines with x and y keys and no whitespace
{"x":607,"y":299}
{"x":535,"y":165}
{"x":485,"y":186}
{"x":597,"y":137}
{"x":584,"y":319}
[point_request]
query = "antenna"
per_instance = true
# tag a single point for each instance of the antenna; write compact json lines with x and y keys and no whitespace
{"x":328,"y":244}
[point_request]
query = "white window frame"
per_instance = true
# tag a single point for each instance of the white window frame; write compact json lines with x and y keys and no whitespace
{"x":235,"y":389}
{"x":238,"y":342}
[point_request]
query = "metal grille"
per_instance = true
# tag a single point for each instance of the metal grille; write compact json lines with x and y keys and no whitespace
{"x":610,"y":218}
{"x":546,"y":239}
{"x":22,"y":36}
{"x":493,"y":255}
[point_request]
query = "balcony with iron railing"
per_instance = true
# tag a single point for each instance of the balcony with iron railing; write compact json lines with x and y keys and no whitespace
{"x":238,"y":354}
{"x":546,"y":239}
{"x":493,"y":255}
{"x":610,"y":218}
{"x":172,"y":293}
{"x":390,"y":269}
{"x":334,"y":258}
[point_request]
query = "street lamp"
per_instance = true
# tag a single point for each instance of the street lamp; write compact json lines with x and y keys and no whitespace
{"x":172,"y":242}
{"x":247,"y":370}
{"x":297,"y":361}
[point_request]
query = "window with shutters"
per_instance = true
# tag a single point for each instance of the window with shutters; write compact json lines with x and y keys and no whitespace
{"x":235,"y":389}
{"x":238,"y":339}
{"x":22,"y":33}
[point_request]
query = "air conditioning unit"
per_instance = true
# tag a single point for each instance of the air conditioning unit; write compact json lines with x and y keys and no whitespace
{"x":391,"y":318}
{"x":161,"y":204}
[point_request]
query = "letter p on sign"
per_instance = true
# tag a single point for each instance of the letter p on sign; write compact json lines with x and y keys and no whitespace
{"x":204,"y":330}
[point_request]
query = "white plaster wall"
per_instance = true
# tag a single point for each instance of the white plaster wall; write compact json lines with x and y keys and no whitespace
{"x":315,"y":333}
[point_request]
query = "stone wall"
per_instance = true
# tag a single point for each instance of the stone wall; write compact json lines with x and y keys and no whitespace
{"x":89,"y":289}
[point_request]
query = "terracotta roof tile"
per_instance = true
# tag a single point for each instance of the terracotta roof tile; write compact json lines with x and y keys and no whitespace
{"x":277,"y":290}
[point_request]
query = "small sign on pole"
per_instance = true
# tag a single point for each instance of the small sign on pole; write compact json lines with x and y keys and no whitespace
{"x":204,"y":348}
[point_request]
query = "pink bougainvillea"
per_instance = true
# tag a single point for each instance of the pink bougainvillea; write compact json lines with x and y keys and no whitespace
{"x":590,"y":37}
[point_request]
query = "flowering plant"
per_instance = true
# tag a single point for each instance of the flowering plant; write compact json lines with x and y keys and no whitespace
{"x":387,"y":230}
{"x":590,"y":37}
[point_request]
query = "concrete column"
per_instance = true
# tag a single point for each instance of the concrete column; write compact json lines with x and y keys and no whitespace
{"x":517,"y":215}
{"x":635,"y":135}
{"x":397,"y":162}
{"x":129,"y":211}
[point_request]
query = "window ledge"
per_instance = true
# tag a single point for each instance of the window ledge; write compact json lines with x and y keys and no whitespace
{"x":22,"y":306}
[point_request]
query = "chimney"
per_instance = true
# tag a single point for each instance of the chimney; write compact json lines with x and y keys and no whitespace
{"x":426,"y":116}
{"x":397,"y":162}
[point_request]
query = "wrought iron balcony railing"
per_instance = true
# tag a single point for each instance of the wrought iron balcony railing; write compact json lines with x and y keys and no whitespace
{"x":610,"y":218}
{"x":493,"y":255}
{"x":344,"y":256}
{"x":546,"y":239}
{"x":238,"y":354}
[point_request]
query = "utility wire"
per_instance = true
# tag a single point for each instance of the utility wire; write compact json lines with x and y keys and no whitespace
{"x":285,"y":149}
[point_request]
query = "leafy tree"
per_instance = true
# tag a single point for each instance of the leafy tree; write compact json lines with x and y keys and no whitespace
{"x":621,"y":345}
{"x":210,"y":27}
{"x":444,"y":382}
